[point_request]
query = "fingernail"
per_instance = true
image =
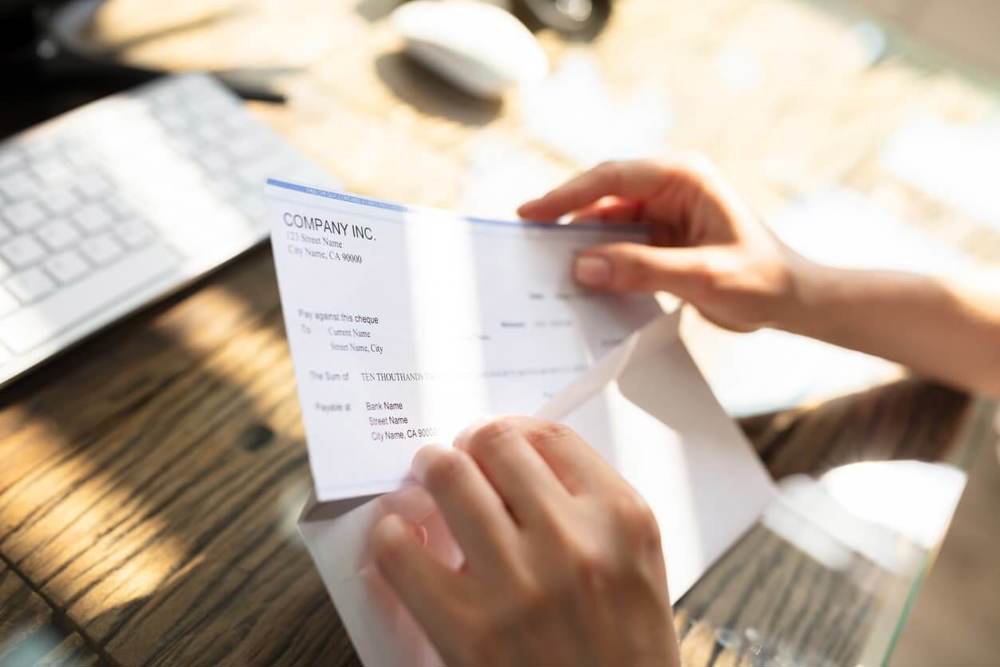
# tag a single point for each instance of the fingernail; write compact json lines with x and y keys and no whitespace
{"x":419,"y":533}
{"x":592,"y":271}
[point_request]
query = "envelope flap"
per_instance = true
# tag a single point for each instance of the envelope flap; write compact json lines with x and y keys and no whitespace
{"x":661,"y":332}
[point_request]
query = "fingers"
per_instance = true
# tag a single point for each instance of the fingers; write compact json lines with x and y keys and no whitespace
{"x":471,"y":507}
{"x":426,"y":586}
{"x":574,"y":463}
{"x":634,"y":267}
{"x":520,"y":475}
{"x":412,"y":502}
{"x":610,"y":209}
{"x":580,"y":467}
{"x":634,"y":180}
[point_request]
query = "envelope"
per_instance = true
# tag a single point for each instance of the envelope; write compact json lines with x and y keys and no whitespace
{"x":648,"y":411}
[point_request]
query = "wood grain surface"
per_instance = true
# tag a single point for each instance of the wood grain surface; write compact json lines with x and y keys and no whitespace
{"x":767,"y":601}
{"x":155,"y":473}
{"x":32,"y":634}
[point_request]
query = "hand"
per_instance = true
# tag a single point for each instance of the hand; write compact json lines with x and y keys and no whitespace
{"x":563,"y":565}
{"x":707,"y":247}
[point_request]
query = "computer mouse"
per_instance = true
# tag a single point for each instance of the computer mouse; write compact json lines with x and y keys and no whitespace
{"x":476,"y":46}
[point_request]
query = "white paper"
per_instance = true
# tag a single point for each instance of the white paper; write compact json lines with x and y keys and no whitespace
{"x":407,"y":324}
{"x":655,"y":420}
{"x":647,"y":410}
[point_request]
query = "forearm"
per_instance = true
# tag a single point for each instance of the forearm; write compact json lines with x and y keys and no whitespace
{"x":944,"y":330}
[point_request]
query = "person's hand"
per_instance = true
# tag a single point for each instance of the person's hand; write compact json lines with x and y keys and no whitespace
{"x":707,"y":247}
{"x":563,"y":564}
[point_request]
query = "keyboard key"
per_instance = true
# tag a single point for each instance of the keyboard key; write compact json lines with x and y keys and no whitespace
{"x":93,"y":185}
{"x":66,"y":266}
{"x":93,"y":217}
{"x":60,"y":200}
{"x":40,"y":148}
{"x":24,"y":215}
{"x":120,"y":208}
{"x":226,"y":188}
{"x":209,"y":132}
{"x":57,"y":234}
{"x":5,"y":232}
{"x":101,"y":249}
{"x":8,"y":303}
{"x":239,"y":126}
{"x":84,"y":300}
{"x":163,"y":99}
{"x":30,"y":285}
{"x":18,"y":185}
{"x":79,"y":157}
{"x":134,"y":234}
{"x":173,"y":120}
{"x":52,"y":172}
{"x":22,"y":251}
{"x":246,"y":147}
{"x":253,"y":207}
{"x":214,"y":162}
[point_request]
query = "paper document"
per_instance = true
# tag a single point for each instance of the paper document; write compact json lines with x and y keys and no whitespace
{"x":407,"y":324}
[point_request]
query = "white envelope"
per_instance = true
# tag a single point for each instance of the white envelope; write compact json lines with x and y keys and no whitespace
{"x":646,"y":408}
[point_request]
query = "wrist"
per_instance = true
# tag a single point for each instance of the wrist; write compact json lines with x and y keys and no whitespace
{"x":808,"y":303}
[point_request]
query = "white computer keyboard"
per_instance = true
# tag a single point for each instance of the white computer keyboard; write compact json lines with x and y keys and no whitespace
{"x":117,"y":203}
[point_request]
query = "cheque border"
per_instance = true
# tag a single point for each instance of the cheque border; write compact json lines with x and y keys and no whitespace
{"x":594,"y":226}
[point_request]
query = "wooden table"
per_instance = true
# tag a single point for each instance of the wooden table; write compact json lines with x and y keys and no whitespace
{"x":150,"y":479}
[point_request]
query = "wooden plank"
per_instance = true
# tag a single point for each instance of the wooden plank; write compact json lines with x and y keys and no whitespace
{"x":910,"y":419}
{"x":31,"y":634}
{"x":769,"y":601}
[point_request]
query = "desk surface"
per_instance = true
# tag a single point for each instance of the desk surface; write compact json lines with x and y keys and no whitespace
{"x":152,"y":476}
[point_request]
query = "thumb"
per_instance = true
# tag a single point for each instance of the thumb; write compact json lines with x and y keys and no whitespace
{"x":635,"y":267}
